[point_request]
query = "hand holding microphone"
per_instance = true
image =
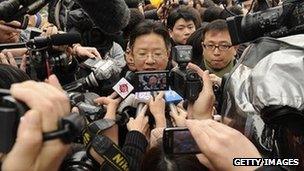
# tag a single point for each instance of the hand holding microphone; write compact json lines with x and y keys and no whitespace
{"x":141,"y":98}
{"x":179,"y":116}
{"x":157,"y":108}
{"x":140,"y":123}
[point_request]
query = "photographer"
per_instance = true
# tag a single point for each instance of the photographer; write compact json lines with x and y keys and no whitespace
{"x":42,"y":117}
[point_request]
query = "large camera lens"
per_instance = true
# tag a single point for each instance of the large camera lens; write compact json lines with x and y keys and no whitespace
{"x":79,"y":161}
{"x":192,"y":76}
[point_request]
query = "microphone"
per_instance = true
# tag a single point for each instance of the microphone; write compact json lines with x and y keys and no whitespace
{"x":55,"y":39}
{"x":172,"y":98}
{"x":141,"y":99}
{"x":10,"y":10}
{"x":31,"y":8}
{"x":127,"y":102}
{"x":111,"y":15}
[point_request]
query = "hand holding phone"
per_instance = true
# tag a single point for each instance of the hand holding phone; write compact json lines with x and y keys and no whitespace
{"x":220,"y":144}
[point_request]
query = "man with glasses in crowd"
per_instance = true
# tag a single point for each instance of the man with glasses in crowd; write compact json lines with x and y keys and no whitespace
{"x":218,"y":52}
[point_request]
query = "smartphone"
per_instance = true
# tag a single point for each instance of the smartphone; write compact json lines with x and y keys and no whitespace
{"x":151,"y":81}
{"x":178,"y":140}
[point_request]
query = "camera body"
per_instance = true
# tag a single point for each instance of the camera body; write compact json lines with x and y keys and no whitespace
{"x":10,"y":113}
{"x":102,"y":70}
{"x":48,"y":61}
{"x":274,"y":22}
{"x":185,"y":82}
{"x":86,"y":105}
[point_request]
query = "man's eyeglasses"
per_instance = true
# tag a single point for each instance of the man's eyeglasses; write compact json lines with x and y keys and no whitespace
{"x":155,"y":56}
{"x":220,"y":47}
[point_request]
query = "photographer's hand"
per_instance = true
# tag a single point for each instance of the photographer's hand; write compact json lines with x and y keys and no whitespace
{"x":111,"y":105}
{"x":140,"y":123}
{"x":47,"y":103}
{"x":179,"y":117}
{"x":202,"y":108}
{"x":49,"y":29}
{"x":8,"y":58}
{"x":157,"y":108}
{"x":220,"y":143}
{"x":215,"y":79}
{"x":86,"y":52}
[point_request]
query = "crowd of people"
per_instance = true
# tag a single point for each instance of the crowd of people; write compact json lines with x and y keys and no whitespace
{"x":145,"y":44}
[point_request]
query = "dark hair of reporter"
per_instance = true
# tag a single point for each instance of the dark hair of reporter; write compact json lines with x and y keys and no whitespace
{"x":212,"y":13}
{"x":135,"y":18}
{"x":185,"y":12}
{"x":10,"y":74}
{"x":195,"y":40}
{"x":156,"y":159}
{"x":237,"y":10}
{"x":148,"y":27}
{"x":216,"y":25}
{"x":208,"y":3}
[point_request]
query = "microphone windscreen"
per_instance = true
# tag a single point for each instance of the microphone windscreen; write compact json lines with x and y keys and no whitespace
{"x":172,"y":97}
{"x":110,"y":15}
{"x":142,"y":97}
{"x":127,"y":102}
{"x":65,"y":39}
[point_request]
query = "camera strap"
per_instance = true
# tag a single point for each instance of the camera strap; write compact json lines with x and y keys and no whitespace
{"x":95,"y":128}
{"x":107,"y":149}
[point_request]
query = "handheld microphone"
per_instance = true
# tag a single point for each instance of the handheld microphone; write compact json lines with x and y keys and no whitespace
{"x":31,"y":9}
{"x":141,"y":99}
{"x":55,"y":39}
{"x":10,"y":10}
{"x":172,"y":98}
{"x":127,"y":102}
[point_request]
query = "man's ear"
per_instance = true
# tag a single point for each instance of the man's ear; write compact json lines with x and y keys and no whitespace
{"x":170,"y":32}
{"x":130,"y":61}
{"x":169,"y":51}
{"x":129,"y":57}
{"x":236,"y":47}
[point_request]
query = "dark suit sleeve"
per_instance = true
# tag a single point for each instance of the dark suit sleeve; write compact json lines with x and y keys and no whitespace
{"x":135,"y":149}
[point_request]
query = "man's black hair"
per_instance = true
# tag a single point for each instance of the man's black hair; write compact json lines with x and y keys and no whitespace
{"x":186,"y":13}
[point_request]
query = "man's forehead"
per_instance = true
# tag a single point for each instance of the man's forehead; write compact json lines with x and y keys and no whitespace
{"x":218,"y":35}
{"x":149,"y":48}
{"x":183,"y":22}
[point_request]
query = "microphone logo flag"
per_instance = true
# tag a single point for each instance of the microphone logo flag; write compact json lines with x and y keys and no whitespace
{"x":123,"y":88}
